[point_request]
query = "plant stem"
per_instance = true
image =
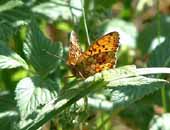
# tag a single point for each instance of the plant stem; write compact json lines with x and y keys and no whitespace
{"x":163,"y":94}
{"x":85,"y":23}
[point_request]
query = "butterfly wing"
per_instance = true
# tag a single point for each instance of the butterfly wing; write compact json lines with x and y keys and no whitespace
{"x":74,"y":50}
{"x":100,"y":56}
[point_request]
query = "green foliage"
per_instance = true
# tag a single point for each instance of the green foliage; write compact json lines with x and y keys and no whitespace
{"x":36,"y":92}
{"x":124,"y":86}
{"x":37,"y":48}
{"x":45,"y":94}
{"x":9,"y":59}
{"x":64,"y":100}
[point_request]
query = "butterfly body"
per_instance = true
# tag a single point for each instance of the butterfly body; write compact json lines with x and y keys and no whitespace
{"x":100,"y":55}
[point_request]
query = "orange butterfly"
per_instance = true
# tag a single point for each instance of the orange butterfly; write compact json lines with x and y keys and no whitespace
{"x":100,"y":55}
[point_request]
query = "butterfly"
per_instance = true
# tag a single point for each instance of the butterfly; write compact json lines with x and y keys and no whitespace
{"x":100,"y":56}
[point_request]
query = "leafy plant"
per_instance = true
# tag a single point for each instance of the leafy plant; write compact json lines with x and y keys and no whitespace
{"x":35,"y":68}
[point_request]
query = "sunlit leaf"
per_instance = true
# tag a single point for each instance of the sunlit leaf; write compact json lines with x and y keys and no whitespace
{"x":34,"y":92}
{"x":64,"y":100}
{"x":9,"y":59}
{"x":10,"y":4}
{"x":125,"y":86}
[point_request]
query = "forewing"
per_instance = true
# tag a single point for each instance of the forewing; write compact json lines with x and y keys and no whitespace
{"x":74,"y":50}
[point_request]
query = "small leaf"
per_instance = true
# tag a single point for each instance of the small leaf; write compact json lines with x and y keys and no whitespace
{"x":32,"y":93}
{"x":161,"y":55}
{"x":9,"y":59}
{"x":41,"y":52}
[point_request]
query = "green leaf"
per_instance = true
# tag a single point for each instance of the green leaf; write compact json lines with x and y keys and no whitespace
{"x":129,"y":90}
{"x":161,"y":55}
{"x":9,"y":59}
{"x":41,"y":52}
{"x":8,"y":120}
{"x":64,"y":100}
{"x":10,"y":4}
{"x":124,"y":86}
{"x":34,"y":92}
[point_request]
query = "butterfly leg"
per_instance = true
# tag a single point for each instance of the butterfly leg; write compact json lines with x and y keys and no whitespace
{"x":81,"y":75}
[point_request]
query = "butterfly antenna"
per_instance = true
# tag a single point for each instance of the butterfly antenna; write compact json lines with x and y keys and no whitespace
{"x":58,"y":57}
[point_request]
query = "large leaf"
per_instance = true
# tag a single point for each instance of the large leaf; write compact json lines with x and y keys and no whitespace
{"x":64,"y":100}
{"x":41,"y":52}
{"x":161,"y":55}
{"x":124,"y":87}
{"x":9,"y":59}
{"x":34,"y":92}
{"x":123,"y":92}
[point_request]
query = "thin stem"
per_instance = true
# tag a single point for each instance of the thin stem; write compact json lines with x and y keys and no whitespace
{"x":163,"y":94}
{"x":84,"y":20}
{"x":71,"y":11}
